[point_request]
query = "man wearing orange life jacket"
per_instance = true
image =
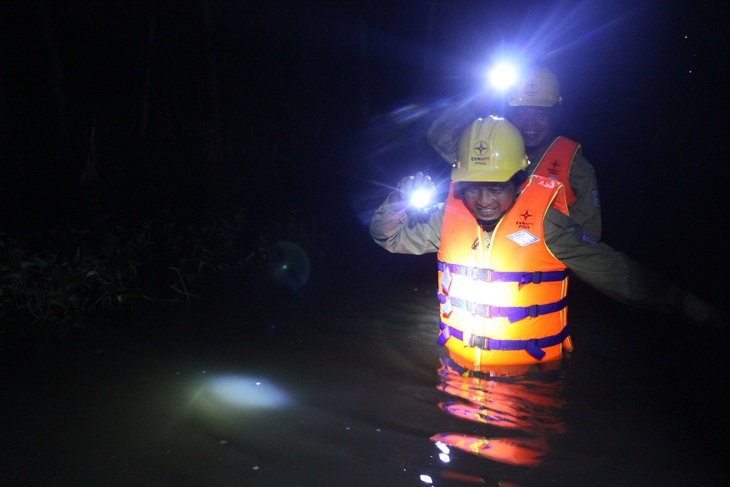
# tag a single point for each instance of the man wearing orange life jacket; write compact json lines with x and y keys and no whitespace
{"x":534,"y":108}
{"x":505,"y":242}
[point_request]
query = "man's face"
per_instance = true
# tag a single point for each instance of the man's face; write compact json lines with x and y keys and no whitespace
{"x":488,"y":201}
{"x":536,"y":124}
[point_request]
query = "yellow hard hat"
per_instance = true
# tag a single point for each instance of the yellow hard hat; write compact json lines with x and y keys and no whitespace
{"x":540,"y":88}
{"x":490,"y":149}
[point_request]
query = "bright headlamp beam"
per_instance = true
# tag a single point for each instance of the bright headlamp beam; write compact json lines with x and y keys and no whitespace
{"x":502,"y":76}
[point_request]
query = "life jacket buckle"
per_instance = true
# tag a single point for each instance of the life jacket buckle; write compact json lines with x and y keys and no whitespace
{"x":479,"y":274}
{"x":534,"y":311}
{"x":478,"y":309}
{"x":479,"y":342}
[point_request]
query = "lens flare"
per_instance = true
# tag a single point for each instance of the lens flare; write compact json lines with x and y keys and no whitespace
{"x":289,"y":264}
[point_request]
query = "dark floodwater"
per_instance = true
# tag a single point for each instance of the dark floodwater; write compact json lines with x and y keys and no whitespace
{"x":354,"y":391}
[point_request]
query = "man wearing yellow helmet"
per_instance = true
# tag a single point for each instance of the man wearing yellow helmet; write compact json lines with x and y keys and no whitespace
{"x":505,"y":244}
{"x":534,"y":108}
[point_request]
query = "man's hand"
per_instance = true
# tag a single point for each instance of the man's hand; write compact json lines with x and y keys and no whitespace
{"x":400,"y":199}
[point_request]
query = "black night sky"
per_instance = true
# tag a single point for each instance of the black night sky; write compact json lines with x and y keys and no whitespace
{"x":113,"y":111}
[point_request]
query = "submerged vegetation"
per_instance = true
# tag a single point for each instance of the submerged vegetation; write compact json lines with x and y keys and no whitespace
{"x":56,"y":282}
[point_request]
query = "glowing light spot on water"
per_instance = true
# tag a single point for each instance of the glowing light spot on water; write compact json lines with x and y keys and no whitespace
{"x":444,"y":457}
{"x":246,"y":392}
{"x":443,"y":447}
{"x":426,"y":479}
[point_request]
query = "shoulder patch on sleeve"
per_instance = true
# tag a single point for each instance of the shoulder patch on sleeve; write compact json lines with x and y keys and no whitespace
{"x":596,"y":199}
{"x":588,"y":238}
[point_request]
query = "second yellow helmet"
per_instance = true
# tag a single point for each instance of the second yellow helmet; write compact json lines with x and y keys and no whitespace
{"x":540,"y":88}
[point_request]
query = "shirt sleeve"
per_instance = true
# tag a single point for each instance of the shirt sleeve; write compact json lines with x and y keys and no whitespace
{"x":407,"y":232}
{"x":615,"y":274}
{"x":446,"y":130}
{"x":586,"y":209}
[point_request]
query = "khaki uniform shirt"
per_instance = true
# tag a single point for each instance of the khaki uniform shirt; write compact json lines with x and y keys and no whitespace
{"x":607,"y":270}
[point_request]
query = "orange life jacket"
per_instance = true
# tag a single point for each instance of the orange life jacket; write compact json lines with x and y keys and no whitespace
{"x":506,"y":304}
{"x":556,"y":162}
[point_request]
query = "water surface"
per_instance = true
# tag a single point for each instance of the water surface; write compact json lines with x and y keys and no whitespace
{"x":353,"y":390}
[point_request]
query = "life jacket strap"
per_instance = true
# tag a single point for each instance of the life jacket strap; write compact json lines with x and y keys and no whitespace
{"x":533,"y":346}
{"x":512,"y":313}
{"x":489,"y":275}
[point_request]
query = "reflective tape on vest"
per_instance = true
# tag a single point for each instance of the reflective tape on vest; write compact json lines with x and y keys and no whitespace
{"x":512,"y":313}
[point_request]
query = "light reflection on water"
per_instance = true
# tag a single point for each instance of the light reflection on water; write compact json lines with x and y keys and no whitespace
{"x":383,"y":390}
{"x":361,"y":395}
{"x":524,"y":408}
{"x":243,"y":391}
